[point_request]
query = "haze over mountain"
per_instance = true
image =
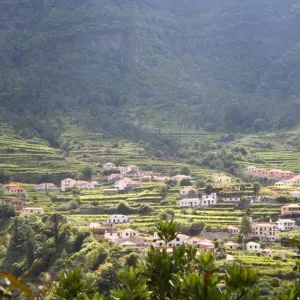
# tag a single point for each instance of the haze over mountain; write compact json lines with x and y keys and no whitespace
{"x":216,"y":64}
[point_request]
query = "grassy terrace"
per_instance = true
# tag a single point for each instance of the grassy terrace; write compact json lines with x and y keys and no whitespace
{"x":20,"y":156}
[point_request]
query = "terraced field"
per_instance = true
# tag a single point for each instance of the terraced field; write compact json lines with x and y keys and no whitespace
{"x":95,"y":206}
{"x":23,"y":158}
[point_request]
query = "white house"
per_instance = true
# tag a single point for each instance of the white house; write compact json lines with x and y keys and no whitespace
{"x":33,"y":210}
{"x":233,"y":229}
{"x":265,"y":231}
{"x":189,"y":202}
{"x":280,"y":183}
{"x":123,"y":234}
{"x":128,"y":233}
{"x":126,"y":236}
{"x":231,"y":199}
{"x":117,"y":219}
{"x":45,"y":187}
{"x":91,"y":185}
{"x":108,"y":165}
{"x":208,"y":201}
{"x":67,"y":184}
{"x":123,"y":170}
{"x":193,"y":241}
{"x":114,"y":176}
{"x":231,"y":246}
{"x":253,"y":247}
{"x":250,"y":169}
{"x":267,"y":251}
{"x":188,"y":192}
{"x":295,"y":194}
{"x":209,"y":196}
{"x":179,"y":240}
{"x":132,"y":168}
{"x":286,"y":225}
{"x":295,"y":181}
{"x":207,"y":246}
{"x":126,"y":183}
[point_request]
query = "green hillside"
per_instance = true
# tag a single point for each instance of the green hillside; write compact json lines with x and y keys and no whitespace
{"x":125,"y":67}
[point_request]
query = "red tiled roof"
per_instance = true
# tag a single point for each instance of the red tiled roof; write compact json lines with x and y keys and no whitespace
{"x":11,"y":185}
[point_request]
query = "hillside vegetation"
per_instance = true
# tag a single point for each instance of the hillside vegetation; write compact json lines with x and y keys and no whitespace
{"x":128,"y":67}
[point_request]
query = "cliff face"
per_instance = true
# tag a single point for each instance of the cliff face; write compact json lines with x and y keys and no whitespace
{"x":216,"y":64}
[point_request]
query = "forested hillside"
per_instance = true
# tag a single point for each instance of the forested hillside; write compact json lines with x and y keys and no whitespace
{"x":121,"y":66}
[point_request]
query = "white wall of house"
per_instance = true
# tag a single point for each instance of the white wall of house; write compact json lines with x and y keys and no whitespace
{"x":189,"y":202}
{"x":117,"y":219}
{"x":286,"y":225}
{"x":231,"y":199}
{"x":179,"y":240}
{"x":109,"y":165}
{"x":45,"y":186}
{"x":33,"y":210}
{"x":295,"y":194}
{"x":253,"y":247}
{"x":208,"y":201}
{"x":67,"y":184}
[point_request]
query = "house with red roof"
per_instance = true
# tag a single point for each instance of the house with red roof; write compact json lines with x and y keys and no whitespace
{"x":126,"y":183}
{"x":114,"y":176}
{"x":45,"y":187}
{"x":70,"y":183}
{"x":18,"y":204}
{"x":266,"y":231}
{"x":15,"y":189}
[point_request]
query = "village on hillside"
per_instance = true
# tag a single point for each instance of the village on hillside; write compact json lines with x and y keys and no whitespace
{"x":220,"y":212}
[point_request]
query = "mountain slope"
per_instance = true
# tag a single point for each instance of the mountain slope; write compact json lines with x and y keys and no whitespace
{"x":150,"y":63}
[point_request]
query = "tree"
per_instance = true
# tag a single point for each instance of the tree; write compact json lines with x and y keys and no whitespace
{"x":132,"y":259}
{"x":108,"y":277}
{"x":87,"y":173}
{"x":7,"y":211}
{"x":123,"y":208}
{"x":55,"y":223}
{"x":133,"y":286}
{"x":144,"y":209}
{"x":80,"y":236}
{"x":185,"y":171}
{"x":245,"y":226}
{"x":15,"y":228}
{"x":249,"y":212}
{"x":171,"y":183}
{"x":72,"y":285}
{"x":241,"y":282}
{"x":200,"y":183}
{"x":185,"y":182}
{"x":167,"y":231}
{"x":208,"y":188}
{"x":256,"y":187}
{"x":29,"y":235}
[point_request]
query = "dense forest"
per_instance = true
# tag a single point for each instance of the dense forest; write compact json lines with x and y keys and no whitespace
{"x":122,"y":66}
